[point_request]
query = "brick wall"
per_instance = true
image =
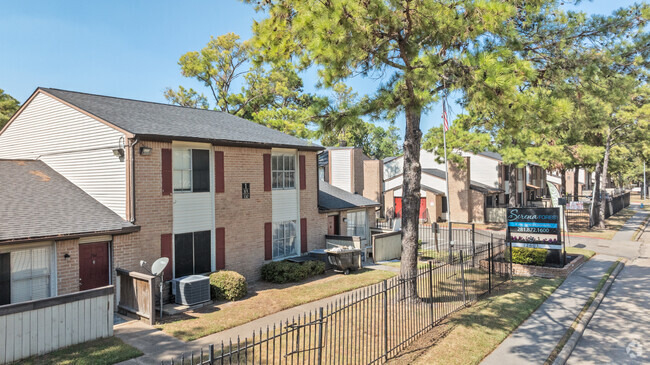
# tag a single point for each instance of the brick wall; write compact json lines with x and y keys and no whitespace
{"x":477,"y":206}
{"x":153,"y":212}
{"x":459,"y":200}
{"x":372,"y":178}
{"x":67,"y":270}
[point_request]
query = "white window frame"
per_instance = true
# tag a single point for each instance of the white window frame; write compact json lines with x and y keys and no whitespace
{"x":52,"y":287}
{"x":283,"y":238}
{"x":282,"y":172}
{"x":188,"y":170}
{"x":353,"y":226}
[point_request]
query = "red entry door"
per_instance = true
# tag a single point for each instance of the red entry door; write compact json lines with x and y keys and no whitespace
{"x":93,"y":265}
{"x":423,"y":208}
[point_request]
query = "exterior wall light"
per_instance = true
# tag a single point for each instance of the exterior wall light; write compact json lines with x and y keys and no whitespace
{"x":119,"y":152}
{"x":145,"y":151}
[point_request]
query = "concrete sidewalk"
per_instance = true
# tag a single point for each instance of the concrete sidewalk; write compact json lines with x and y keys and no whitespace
{"x":619,"y":331}
{"x":533,"y":341}
{"x":626,"y":233}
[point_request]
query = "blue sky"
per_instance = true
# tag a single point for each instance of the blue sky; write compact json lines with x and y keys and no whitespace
{"x":131,"y":48}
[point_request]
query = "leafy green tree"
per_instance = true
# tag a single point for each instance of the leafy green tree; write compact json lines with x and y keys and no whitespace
{"x":271,"y":95}
{"x":420,"y":47}
{"x":8,"y":106}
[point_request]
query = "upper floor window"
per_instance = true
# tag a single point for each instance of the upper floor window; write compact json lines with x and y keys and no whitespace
{"x":283,"y":171}
{"x":191,"y":170}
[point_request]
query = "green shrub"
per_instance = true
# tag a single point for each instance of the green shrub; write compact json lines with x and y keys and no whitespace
{"x":280,"y":272}
{"x":228,"y":285}
{"x":527,"y":256}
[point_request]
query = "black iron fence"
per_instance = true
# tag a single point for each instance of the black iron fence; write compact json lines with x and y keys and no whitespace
{"x":581,"y":215}
{"x":373,"y":324}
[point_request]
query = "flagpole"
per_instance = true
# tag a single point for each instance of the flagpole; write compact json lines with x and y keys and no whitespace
{"x":444,"y":141}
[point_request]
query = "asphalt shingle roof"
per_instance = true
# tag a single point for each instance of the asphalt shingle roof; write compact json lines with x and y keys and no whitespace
{"x":38,"y":202}
{"x":144,"y":118}
{"x":332,"y":198}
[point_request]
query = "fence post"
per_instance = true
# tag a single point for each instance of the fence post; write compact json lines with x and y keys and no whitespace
{"x":510,"y":260}
{"x":433,"y":320}
{"x":319,"y":361}
{"x":210,"y":355}
{"x":434,"y":227}
{"x":462,"y":276}
{"x":449,"y":239}
{"x":490,"y":262}
{"x":473,"y":245}
{"x":384,"y":288}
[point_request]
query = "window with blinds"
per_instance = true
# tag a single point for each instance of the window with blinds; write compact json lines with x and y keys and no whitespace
{"x":29,"y":274}
{"x":357,"y":223}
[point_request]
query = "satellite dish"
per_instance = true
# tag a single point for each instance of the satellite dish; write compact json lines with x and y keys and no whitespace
{"x":159,"y":265}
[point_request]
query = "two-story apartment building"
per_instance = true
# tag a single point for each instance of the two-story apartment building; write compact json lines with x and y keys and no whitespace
{"x":204,"y":188}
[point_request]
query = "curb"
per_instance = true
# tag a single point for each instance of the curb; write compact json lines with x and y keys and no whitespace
{"x":568,"y":348}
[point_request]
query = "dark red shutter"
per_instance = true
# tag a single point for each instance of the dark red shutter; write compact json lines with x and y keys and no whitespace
{"x":267,"y":172}
{"x":219,"y":182}
{"x":167,"y":171}
{"x":166,"y":251}
{"x":220,"y":248}
{"x":303,"y":173}
{"x":303,"y":234}
{"x":268,"y":241}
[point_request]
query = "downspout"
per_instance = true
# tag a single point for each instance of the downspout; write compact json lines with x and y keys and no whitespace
{"x":132,"y":195}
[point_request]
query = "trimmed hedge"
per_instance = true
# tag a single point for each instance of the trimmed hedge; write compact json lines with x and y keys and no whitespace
{"x":527,"y":256}
{"x":280,"y":272}
{"x":228,"y":285}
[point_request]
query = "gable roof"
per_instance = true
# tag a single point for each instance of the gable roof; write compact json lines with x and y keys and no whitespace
{"x":332,"y":198}
{"x":40,"y":203}
{"x":165,"y":121}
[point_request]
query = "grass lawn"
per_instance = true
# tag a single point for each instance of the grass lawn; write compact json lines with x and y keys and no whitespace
{"x":580,"y":251}
{"x":612,"y":224}
{"x":421,"y":264}
{"x":471,"y":334}
{"x":103,"y":351}
{"x":269,"y":299}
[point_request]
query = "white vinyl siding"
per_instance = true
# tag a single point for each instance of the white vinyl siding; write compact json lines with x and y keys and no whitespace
{"x":340,"y":161}
{"x":285,"y":204}
{"x":73,"y":144}
{"x":484,"y":170}
{"x":194,"y":211}
{"x":393,"y":168}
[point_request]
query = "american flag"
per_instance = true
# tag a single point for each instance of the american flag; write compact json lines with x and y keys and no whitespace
{"x":445,"y":122}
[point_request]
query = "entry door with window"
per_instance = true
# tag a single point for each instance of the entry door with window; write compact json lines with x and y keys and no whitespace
{"x":192,"y":253}
{"x":93,"y":265}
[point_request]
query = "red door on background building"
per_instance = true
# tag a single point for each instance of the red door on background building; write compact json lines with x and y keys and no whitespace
{"x":93,"y":265}
{"x":423,"y":207}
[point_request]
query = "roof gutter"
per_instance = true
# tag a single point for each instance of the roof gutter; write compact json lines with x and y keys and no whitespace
{"x":132,"y":195}
{"x":59,"y":237}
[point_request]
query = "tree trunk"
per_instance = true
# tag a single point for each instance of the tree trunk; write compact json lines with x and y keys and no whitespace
{"x":512,"y":183}
{"x":603,"y":181}
{"x":411,"y":202}
{"x":563,"y":187}
{"x":576,"y":185}
{"x":597,"y":190}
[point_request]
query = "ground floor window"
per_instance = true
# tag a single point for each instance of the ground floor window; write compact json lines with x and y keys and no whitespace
{"x":444,"y":204}
{"x":284,"y":239}
{"x":357,"y":223}
{"x":192,"y":254}
{"x":26,"y":274}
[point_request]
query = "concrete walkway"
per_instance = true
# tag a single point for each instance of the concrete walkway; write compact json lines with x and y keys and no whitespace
{"x":626,"y":233}
{"x":533,"y":341}
{"x":619,"y":332}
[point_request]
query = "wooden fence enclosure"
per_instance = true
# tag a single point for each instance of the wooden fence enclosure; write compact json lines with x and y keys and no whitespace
{"x":136,"y":294}
{"x":41,"y":326}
